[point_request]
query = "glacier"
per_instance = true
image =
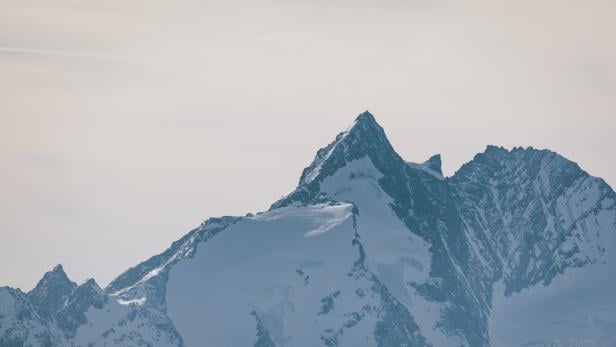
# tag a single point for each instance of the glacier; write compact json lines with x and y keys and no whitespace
{"x":517,"y":248}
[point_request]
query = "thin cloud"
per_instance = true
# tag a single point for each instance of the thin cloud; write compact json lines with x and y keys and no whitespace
{"x":62,"y":53}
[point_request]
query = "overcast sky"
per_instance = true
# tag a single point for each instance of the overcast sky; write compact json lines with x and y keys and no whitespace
{"x":124,"y":124}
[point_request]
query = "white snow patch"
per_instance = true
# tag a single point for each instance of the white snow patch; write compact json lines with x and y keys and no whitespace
{"x":139,"y":301}
{"x":266,"y":264}
{"x":426,"y":169}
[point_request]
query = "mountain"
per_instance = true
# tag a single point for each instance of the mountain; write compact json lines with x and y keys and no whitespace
{"x":517,"y":248}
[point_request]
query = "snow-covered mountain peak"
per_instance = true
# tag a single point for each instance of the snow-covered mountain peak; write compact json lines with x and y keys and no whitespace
{"x":364,"y":138}
{"x":368,"y":250}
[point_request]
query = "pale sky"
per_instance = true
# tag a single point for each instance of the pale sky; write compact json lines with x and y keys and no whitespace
{"x":124,"y":124}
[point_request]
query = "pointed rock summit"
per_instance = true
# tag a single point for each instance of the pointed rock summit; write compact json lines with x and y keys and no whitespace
{"x":364,"y":138}
{"x":51,"y":292}
{"x":366,"y":118}
{"x":434,"y":164}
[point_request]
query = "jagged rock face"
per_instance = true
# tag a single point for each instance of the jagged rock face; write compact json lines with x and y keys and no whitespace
{"x":20,"y":325}
{"x":73,"y":314}
{"x":51,"y":292}
{"x":536,"y":210}
{"x":364,"y":138}
{"x":434,"y":164}
{"x":368,"y":250}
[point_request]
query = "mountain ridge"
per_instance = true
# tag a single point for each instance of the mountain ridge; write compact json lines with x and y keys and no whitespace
{"x":519,"y":218}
